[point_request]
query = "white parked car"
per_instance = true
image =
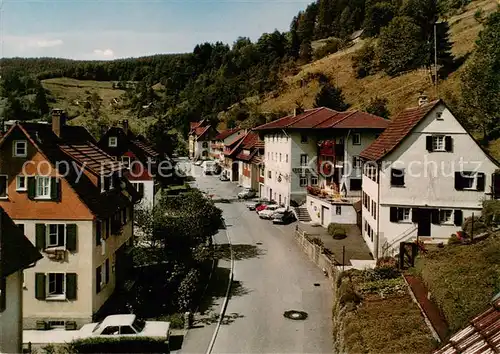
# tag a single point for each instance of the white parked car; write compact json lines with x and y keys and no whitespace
{"x":116,"y":326}
{"x":268,"y":212}
{"x":280,"y":210}
{"x":246,"y":193}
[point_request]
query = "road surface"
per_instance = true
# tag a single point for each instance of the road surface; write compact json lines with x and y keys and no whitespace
{"x":271,"y":276}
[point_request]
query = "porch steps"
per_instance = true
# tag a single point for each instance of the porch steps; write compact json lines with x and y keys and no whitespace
{"x":302,"y":214}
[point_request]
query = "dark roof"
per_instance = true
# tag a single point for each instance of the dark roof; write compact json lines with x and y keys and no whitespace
{"x":93,"y":158}
{"x":482,"y":335}
{"x":249,"y":142}
{"x":78,"y":142}
{"x":16,"y":251}
{"x":399,"y":128}
{"x":226,"y":133}
{"x":326,"y":118}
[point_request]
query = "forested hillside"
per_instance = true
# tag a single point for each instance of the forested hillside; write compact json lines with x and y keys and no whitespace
{"x":249,"y":83}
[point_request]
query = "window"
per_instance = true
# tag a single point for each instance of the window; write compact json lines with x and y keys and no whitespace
{"x":42,"y":187}
{"x":280,"y":156}
{"x":21,"y":185}
{"x":286,"y":158}
{"x":21,"y":227}
{"x":20,"y":149}
{"x":269,"y":174}
{"x":399,"y":214}
{"x":314,"y":180}
{"x":356,"y":162}
{"x":469,"y":180}
{"x":303,"y":138}
{"x":405,"y":214}
{"x":101,"y":276}
{"x":355,"y":185}
{"x":204,"y":144}
{"x":445,"y":216}
{"x":356,"y":139}
{"x":56,"y":324}
{"x":3,"y":187}
{"x":397,"y":177}
{"x":261,"y":172}
{"x":439,"y":115}
{"x":304,"y":159}
{"x":110,"y":331}
{"x":55,"y":285}
{"x":127,"y":330}
{"x":338,"y":210}
{"x":55,"y":235}
{"x":113,"y":141}
{"x":126,"y":160}
{"x":438,"y":143}
{"x":303,"y":181}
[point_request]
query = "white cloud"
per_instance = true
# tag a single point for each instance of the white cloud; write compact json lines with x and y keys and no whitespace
{"x":44,"y":43}
{"x":106,"y":53}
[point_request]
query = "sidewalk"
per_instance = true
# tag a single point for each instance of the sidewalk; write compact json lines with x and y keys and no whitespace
{"x":199,"y":336}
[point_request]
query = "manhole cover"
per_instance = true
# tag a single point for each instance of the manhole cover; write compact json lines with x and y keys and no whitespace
{"x":316,"y":284}
{"x":258,"y":243}
{"x":295,"y":315}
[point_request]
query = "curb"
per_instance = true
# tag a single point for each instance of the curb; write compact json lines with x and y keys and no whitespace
{"x":226,"y":299}
{"x":214,"y":263}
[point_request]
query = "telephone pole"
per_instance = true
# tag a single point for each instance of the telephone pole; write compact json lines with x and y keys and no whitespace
{"x":435,"y":60}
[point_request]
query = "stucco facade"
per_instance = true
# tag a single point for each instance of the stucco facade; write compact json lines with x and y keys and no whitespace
{"x":430,"y":202}
{"x":326,"y":212}
{"x":11,"y":318}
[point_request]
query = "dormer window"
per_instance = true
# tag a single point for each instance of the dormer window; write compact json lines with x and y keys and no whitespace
{"x":106,"y":183}
{"x":20,"y":148}
{"x":126,"y":161}
{"x":113,"y":141}
{"x":356,"y":139}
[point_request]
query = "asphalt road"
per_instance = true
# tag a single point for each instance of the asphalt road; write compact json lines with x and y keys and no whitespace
{"x":271,"y":276}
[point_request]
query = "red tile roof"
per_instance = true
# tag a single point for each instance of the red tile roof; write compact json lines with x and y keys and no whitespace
{"x":399,"y":128}
{"x":248,"y":142}
{"x":226,"y":133}
{"x":481,"y":336}
{"x":324,"y":118}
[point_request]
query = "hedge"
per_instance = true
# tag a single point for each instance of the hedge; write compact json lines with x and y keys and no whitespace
{"x":119,"y":345}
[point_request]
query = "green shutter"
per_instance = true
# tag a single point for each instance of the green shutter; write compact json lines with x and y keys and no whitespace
{"x":98,"y":275}
{"x":40,"y":236}
{"x":71,"y":237}
{"x":55,"y":186}
{"x":3,"y":293}
{"x":106,"y":265}
{"x":31,"y":187}
{"x":40,"y":286}
{"x":71,"y":286}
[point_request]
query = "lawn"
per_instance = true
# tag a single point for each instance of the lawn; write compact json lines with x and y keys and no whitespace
{"x":462,"y":279}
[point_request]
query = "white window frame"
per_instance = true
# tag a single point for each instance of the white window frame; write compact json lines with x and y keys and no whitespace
{"x":473,"y":176}
{"x":25,"y":180}
{"x":112,"y":141}
{"x":306,"y":160}
{"x":42,"y":196}
{"x":56,"y":296}
{"x":446,"y":216}
{"x":356,"y":139}
{"x":6,"y":187}
{"x":47,"y":235}
{"x":126,"y":161}
{"x":314,"y":180}
{"x":338,"y":210}
{"x":438,"y":143}
{"x":303,"y":181}
{"x":15,"y":146}
{"x":406,"y":216}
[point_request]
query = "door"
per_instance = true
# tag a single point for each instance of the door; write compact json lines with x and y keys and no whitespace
{"x":270,"y":194}
{"x":424,"y":222}
{"x":279,"y":203}
{"x":235,"y":172}
{"x":324,"y":210}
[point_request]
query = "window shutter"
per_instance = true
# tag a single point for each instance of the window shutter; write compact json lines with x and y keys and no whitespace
{"x":98,"y":276}
{"x":435,"y":216}
{"x":458,"y":217}
{"x":458,"y":181}
{"x":106,"y":183}
{"x":415,"y":213}
{"x":71,"y":237}
{"x":40,"y":286}
{"x":98,"y":226}
{"x":40,"y":236}
{"x":480,"y":181}
{"x":393,"y":214}
{"x":106,"y":265}
{"x":400,"y":213}
{"x":3,"y":293}
{"x":31,"y":187}
{"x":495,"y":177}
{"x":141,"y":189}
{"x":71,"y":286}
{"x":448,"y":143}
{"x":3,"y":185}
{"x":428,"y":143}
{"x":55,"y":186}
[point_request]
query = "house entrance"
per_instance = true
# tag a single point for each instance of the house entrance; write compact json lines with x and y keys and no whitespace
{"x":423,"y":222}
{"x":324,"y":209}
{"x":235,"y":173}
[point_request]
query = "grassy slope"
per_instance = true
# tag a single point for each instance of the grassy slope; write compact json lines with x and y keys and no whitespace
{"x":462,"y":279}
{"x":401,"y":91}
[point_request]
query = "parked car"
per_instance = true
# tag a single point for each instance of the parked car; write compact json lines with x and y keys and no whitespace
{"x":264,"y":205}
{"x":223,"y":177}
{"x":286,"y":217}
{"x":246,"y":193}
{"x":268,"y":211}
{"x":256,"y":203}
{"x":209,"y":167}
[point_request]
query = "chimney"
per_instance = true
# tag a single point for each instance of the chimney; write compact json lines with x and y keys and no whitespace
{"x":58,"y":121}
{"x":422,"y":99}
{"x":125,"y":125}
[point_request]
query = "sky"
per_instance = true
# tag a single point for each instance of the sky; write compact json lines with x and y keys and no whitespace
{"x":111,"y":29}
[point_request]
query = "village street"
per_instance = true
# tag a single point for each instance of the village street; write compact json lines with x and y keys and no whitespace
{"x":271,"y":276}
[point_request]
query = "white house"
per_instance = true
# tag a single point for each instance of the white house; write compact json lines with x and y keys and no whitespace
{"x":222,"y":139}
{"x":422,"y":177}
{"x":316,"y":149}
{"x":16,"y":254}
{"x":199,"y":137}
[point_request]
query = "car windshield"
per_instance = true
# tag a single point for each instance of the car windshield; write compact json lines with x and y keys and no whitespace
{"x":138,"y":325}
{"x":97,"y":326}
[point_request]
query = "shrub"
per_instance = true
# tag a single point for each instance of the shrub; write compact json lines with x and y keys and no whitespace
{"x":337,"y":231}
{"x":119,"y":345}
{"x":331,"y":46}
{"x":347,"y":294}
{"x":478,"y":227}
{"x":188,"y":289}
{"x":176,"y":320}
{"x":364,"y":61}
{"x":491,"y":212}
{"x":454,"y":240}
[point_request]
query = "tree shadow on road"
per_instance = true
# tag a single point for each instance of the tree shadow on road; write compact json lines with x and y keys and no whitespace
{"x":226,"y":320}
{"x":240,"y":252}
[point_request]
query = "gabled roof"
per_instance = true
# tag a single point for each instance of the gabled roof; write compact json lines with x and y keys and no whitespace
{"x":16,"y":251}
{"x":93,"y":158}
{"x":326,"y":118}
{"x":77,"y":146}
{"x":249,"y":142}
{"x":399,"y":128}
{"x":482,"y":335}
{"x":227,"y":133}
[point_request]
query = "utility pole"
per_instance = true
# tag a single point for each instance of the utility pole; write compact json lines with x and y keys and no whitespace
{"x":435,"y":60}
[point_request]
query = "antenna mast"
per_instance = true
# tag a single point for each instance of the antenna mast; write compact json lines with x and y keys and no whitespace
{"x":435,"y":60}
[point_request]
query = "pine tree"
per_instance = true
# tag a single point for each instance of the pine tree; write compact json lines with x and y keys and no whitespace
{"x":305,"y":53}
{"x":378,"y":107}
{"x":378,"y":15}
{"x":331,"y":97}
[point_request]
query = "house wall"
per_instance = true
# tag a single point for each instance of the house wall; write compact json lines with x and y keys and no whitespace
{"x":245,"y":177}
{"x":315,"y":208}
{"x":149,"y":193}
{"x":370,"y":187}
{"x":11,"y":318}
{"x":201,"y":152}
{"x":274,"y":146}
{"x":298,"y":148}
{"x":79,"y":262}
